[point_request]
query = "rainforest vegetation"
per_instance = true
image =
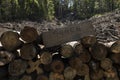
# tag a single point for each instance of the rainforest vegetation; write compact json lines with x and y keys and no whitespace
{"x":11,"y":10}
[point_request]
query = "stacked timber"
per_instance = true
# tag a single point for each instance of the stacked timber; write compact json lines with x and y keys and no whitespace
{"x":23,"y":58}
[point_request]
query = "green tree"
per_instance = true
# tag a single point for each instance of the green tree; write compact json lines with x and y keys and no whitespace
{"x":5,"y":10}
{"x":14,"y":9}
{"x":50,"y":10}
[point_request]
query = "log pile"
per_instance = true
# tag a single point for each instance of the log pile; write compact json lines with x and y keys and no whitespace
{"x":23,"y":58}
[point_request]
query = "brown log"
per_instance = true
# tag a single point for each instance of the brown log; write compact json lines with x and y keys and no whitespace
{"x":56,"y":76}
{"x":47,"y":68}
{"x":10,"y":40}
{"x":57,"y":66}
{"x":13,"y":78}
{"x":17,"y":67}
{"x":116,"y":58}
{"x":66,"y":51}
{"x":3,"y":72}
{"x":28,"y":51}
{"x":79,"y":48}
{"x":111,"y":74}
{"x":5,"y":57}
{"x":77,"y":77}
{"x":29,"y":34}
{"x":97,"y":75}
{"x":83,"y":70}
{"x":85,"y":56}
{"x":115,"y":48}
{"x":99,"y":51}
{"x":46,"y":57}
{"x":69,"y":73}
{"x":94,"y":65}
{"x":26,"y":77}
{"x":88,"y":41}
{"x":87,"y":77}
{"x":106,"y":64}
{"x":42,"y":77}
{"x":34,"y":66}
{"x":75,"y":62}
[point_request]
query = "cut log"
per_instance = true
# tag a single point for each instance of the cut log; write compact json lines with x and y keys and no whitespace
{"x":72,"y":33}
{"x":69,"y":73}
{"x":29,"y":34}
{"x":13,"y":78}
{"x":116,"y":58}
{"x":17,"y":67}
{"x":97,"y":75}
{"x":34,"y":66}
{"x":75,"y":62}
{"x":83,"y":70}
{"x":56,"y":76}
{"x":46,"y":57}
{"x":28,"y":51}
{"x":66,"y":51}
{"x":57,"y":66}
{"x":47,"y":68}
{"x":111,"y":74}
{"x":115,"y":48}
{"x":10,"y":40}
{"x":106,"y":64}
{"x":26,"y":77}
{"x":79,"y":48}
{"x":99,"y":51}
{"x":85,"y":56}
{"x":4,"y":72}
{"x":82,"y":52}
{"x":94,"y":65}
{"x":6,"y":57}
{"x":77,"y":77}
{"x":88,"y":41}
{"x":42,"y":77}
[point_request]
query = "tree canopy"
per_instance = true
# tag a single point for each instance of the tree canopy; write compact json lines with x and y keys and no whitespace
{"x":11,"y":10}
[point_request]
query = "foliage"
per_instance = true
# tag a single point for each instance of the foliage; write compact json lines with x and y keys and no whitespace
{"x":51,"y":9}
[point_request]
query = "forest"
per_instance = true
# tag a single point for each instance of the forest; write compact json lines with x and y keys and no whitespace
{"x":39,"y":10}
